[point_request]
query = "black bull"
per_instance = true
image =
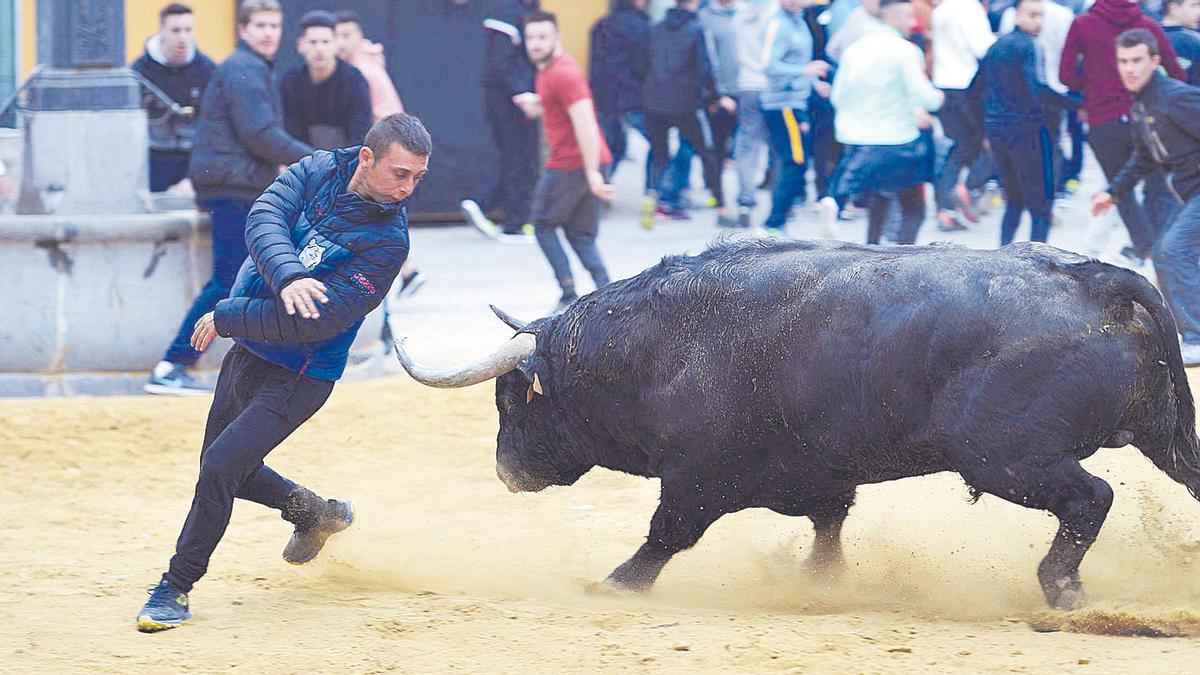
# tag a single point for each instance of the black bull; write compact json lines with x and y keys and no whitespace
{"x":784,"y":374}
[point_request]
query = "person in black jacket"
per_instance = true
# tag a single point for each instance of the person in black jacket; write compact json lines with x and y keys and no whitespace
{"x":679,"y":85}
{"x":327,"y":240}
{"x":326,"y":101}
{"x":1016,"y":105}
{"x":1165,"y":121}
{"x":173,"y":65}
{"x":618,"y":49}
{"x":510,"y":106}
{"x":240,"y":146}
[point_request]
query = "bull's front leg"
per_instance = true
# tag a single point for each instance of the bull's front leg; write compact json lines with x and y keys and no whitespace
{"x":678,"y":523}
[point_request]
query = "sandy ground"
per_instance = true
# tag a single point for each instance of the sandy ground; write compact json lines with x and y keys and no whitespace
{"x":445,"y":570}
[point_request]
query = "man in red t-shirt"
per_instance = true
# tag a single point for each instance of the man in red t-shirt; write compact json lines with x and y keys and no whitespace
{"x":571,"y":188}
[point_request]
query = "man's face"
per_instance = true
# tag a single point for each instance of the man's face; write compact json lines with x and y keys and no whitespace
{"x":1029,"y":16}
{"x":795,"y":5}
{"x":1136,"y":66}
{"x":178,"y":36}
{"x":1187,"y":13}
{"x":541,"y":39}
{"x":262,"y":33}
{"x":900,"y":16}
{"x":872,"y":7}
{"x":318,"y":47}
{"x":350,"y":38}
{"x":393,"y":177}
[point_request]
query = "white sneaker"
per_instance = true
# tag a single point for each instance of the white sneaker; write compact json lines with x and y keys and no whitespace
{"x":827,"y":218}
{"x":476,"y":219}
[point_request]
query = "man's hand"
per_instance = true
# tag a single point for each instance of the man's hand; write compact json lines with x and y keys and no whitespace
{"x":823,"y":88}
{"x":529,"y":103}
{"x":204,"y":332}
{"x":303,"y":294}
{"x":816,"y":69}
{"x":599,"y":188}
{"x":1102,"y":202}
{"x":727,"y":104}
{"x":924,"y":118}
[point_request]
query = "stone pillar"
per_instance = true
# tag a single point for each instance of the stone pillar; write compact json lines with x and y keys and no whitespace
{"x":85,"y":131}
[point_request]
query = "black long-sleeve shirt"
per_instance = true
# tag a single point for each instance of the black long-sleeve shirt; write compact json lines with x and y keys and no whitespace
{"x":333,"y":114}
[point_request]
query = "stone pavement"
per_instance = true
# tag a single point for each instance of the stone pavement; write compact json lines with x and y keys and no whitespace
{"x":448,"y":321}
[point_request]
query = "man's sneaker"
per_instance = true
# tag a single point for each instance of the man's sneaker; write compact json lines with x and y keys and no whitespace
{"x":1071,"y":186}
{"x":649,"y":207}
{"x":948,"y":222}
{"x":1191,"y":353}
{"x":673,"y":213}
{"x":743,"y":216}
{"x":827,"y":217}
{"x":167,"y":608}
{"x":726,"y":221}
{"x":476,"y":219}
{"x":966,"y":203}
{"x":710,"y":203}
{"x":171,"y":379}
{"x":563,"y":303}
{"x":522,"y":234}
{"x":410,"y":284}
{"x":774,"y":231}
{"x":318,"y":520}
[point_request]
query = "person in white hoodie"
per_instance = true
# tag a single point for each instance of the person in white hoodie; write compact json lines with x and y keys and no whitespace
{"x":961,"y":37}
{"x":750,"y":139}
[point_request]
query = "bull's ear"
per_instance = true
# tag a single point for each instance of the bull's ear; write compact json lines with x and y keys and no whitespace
{"x":537,"y":385}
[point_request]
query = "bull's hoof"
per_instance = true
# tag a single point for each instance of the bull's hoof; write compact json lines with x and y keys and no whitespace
{"x":829,"y":568}
{"x":622,"y":585}
{"x":1065,"y":593}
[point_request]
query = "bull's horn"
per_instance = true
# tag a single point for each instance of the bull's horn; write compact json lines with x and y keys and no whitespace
{"x":501,"y":361}
{"x":510,"y":321}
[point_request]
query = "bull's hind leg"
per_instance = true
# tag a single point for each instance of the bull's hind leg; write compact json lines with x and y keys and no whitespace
{"x":1079,"y":500}
{"x":678,"y":523}
{"x":826,"y":558}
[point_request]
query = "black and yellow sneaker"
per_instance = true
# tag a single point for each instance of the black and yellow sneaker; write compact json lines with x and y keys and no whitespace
{"x":167,"y":608}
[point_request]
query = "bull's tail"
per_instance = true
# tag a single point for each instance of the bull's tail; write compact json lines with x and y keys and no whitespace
{"x":1180,"y":459}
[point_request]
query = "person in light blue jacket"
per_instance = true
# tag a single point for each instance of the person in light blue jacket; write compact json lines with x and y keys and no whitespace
{"x":791,"y":72}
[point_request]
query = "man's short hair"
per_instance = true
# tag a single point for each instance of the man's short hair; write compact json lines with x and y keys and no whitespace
{"x":541,"y":15}
{"x":317,"y":18}
{"x":400,"y":128}
{"x":884,"y":4}
{"x":249,"y":8}
{"x":173,"y":9}
{"x":1138,"y":36}
{"x":1168,"y":3}
{"x":348,"y":16}
{"x":1021,"y":2}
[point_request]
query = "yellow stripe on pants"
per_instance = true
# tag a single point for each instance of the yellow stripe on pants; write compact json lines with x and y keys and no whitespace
{"x":793,"y":130}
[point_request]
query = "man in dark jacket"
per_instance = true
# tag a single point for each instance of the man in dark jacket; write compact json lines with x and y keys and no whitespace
{"x":510,"y":106}
{"x":240,"y":145}
{"x":1166,"y":126}
{"x":173,"y":65}
{"x":618,"y":48}
{"x":1092,"y":40}
{"x":1016,"y":101}
{"x":326,"y":239}
{"x":678,"y":86}
{"x":1180,"y":20}
{"x":326,"y":101}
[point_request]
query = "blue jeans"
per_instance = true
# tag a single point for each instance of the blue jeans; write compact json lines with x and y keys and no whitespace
{"x":228,"y":253}
{"x":1176,"y":259}
{"x":676,"y":178}
{"x":792,"y":145}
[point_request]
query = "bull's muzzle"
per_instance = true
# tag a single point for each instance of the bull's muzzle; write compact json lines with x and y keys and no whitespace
{"x":518,"y":481}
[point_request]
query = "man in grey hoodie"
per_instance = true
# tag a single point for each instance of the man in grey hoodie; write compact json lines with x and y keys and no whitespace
{"x":749,"y":25}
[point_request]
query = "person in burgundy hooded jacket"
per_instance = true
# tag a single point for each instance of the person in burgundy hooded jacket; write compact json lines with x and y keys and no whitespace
{"x":1089,"y":65}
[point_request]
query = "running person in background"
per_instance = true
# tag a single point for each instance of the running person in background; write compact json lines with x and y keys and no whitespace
{"x":1017,"y":102}
{"x":679,"y":87}
{"x":788,"y":49}
{"x":1166,"y":127}
{"x":880,"y":80}
{"x":1180,"y":20}
{"x":751,"y":136}
{"x":572,"y":186}
{"x":293,"y":314}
